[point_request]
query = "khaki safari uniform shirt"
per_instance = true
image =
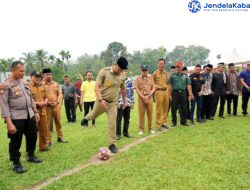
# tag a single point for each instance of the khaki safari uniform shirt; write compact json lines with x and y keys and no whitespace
{"x":111,"y":83}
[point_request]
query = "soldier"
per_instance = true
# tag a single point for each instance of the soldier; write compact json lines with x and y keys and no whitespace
{"x":40,"y":97}
{"x":144,"y":86}
{"x":20,"y":114}
{"x":160,"y":79}
{"x":69,"y":96}
{"x":178,"y":83}
{"x":108,"y":83}
{"x":53,"y":107}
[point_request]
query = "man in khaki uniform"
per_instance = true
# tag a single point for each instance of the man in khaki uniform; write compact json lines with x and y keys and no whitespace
{"x":108,"y":84}
{"x":160,"y":79}
{"x":20,"y":114}
{"x":40,"y":97}
{"x":53,"y":107}
{"x":144,"y":87}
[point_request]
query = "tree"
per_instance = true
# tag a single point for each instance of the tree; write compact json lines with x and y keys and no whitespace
{"x":29,"y":60}
{"x":218,"y":57}
{"x":191,"y":55}
{"x":113,"y":52}
{"x":65,"y":55}
{"x":4,"y":64}
{"x":42,"y":62}
{"x":51,"y":59}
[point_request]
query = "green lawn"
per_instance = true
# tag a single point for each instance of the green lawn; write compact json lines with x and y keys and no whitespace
{"x":214,"y":155}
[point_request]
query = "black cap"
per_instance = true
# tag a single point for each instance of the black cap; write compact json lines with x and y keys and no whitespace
{"x":35,"y":73}
{"x":122,"y":63}
{"x":144,"y":67}
{"x":184,"y":69}
{"x":46,"y":70}
{"x":210,"y":66}
{"x":172,"y":67}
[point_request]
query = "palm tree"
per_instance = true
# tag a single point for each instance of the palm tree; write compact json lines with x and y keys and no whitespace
{"x":29,"y":60}
{"x":65,"y":55}
{"x":52,"y":59}
{"x":4,"y":65}
{"x":41,"y":55}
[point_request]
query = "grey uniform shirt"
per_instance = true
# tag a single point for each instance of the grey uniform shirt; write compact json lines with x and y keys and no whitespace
{"x":16,"y":101}
{"x":68,"y":91}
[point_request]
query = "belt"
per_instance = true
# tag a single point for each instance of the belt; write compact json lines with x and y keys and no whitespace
{"x":179,"y":90}
{"x":68,"y":97}
{"x":108,"y":101}
{"x":160,"y":89}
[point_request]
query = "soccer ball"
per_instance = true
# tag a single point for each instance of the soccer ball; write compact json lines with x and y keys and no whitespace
{"x":103,"y":153}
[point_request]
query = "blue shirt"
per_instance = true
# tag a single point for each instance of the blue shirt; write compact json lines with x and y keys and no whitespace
{"x":129,"y":93}
{"x":246,"y":76}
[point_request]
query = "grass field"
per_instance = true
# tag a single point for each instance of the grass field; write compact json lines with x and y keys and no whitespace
{"x":214,"y":155}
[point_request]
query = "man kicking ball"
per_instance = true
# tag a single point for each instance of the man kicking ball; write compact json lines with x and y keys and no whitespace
{"x":108,"y":84}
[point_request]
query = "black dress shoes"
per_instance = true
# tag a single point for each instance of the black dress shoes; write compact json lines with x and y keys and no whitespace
{"x":34,"y":159}
{"x":61,"y":140}
{"x":18,"y":168}
{"x":113,"y":148}
{"x":165,"y":126}
{"x":127,"y":135}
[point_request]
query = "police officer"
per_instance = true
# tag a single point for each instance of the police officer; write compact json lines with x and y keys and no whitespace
{"x":20,"y":114}
{"x":160,"y":79}
{"x":108,"y":84}
{"x":69,"y":96}
{"x":178,"y":83}
{"x":40,"y":97}
{"x":145,"y":88}
{"x":53,"y":107}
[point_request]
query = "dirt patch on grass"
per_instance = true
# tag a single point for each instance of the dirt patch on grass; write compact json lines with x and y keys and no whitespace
{"x":92,"y":161}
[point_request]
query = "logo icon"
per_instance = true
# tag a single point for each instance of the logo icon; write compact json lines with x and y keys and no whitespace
{"x":194,"y":6}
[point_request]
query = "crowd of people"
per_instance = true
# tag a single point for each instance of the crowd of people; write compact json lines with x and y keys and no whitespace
{"x":29,"y":108}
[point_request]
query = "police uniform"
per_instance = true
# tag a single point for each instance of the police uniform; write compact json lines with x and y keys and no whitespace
{"x":17,"y":103}
{"x":144,"y":85}
{"x":179,"y":83}
{"x":53,"y":111}
{"x":111,"y":84}
{"x":39,"y":94}
{"x":69,"y":91}
{"x":162,"y":98}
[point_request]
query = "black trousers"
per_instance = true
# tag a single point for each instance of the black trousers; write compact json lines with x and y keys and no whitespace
{"x":78,"y":103}
{"x":125,"y":114}
{"x":230,"y":98}
{"x":29,"y":129}
{"x":179,"y":101}
{"x":215,"y":104}
{"x":70,"y":109}
{"x":245,"y":99}
{"x":206,"y":106}
{"x":87,"y":106}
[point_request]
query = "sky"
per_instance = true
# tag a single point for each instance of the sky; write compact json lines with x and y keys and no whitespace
{"x":88,"y":26}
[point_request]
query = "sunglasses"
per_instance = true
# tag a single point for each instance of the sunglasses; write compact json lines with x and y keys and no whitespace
{"x":144,"y":70}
